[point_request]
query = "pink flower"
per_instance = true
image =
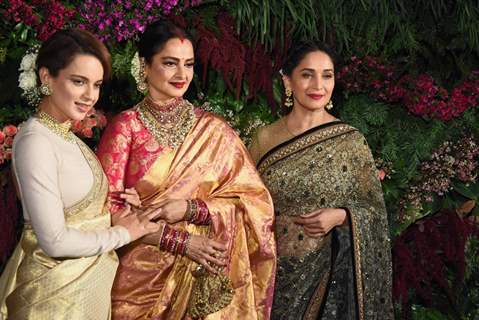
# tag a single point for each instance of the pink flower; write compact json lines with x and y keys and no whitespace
{"x":2,"y":137}
{"x":381,"y":174}
{"x":8,"y":141}
{"x":10,"y":130}
{"x":87,"y":132}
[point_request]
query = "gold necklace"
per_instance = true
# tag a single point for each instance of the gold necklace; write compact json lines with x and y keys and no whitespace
{"x":60,"y":129}
{"x":170,"y":124}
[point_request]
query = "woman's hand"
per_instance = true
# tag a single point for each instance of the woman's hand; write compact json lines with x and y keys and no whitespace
{"x":129,"y":195}
{"x":206,"y":252}
{"x":318,"y":223}
{"x":172,"y":211}
{"x":138,"y":224}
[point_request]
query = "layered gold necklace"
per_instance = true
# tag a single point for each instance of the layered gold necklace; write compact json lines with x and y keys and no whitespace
{"x":61,"y":129}
{"x":169,"y":123}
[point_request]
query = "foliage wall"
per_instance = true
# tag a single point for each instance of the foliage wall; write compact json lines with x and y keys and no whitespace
{"x":408,"y":79}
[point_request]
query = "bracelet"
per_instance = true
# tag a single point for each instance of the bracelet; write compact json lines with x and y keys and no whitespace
{"x":197,"y":212}
{"x":174,"y":241}
{"x":191,"y":209}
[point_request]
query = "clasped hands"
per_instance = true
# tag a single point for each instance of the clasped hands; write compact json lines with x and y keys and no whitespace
{"x":209,"y":253}
{"x":318,"y":223}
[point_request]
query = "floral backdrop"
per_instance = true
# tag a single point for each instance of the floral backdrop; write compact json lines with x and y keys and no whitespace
{"x":408,"y":79}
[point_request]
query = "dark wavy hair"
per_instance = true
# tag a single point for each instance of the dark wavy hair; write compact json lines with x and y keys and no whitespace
{"x":60,"y":49}
{"x":300,"y":49}
{"x":156,"y":35}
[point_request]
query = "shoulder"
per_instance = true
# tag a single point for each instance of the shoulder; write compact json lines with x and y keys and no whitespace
{"x":262,"y":133}
{"x":34,"y":141}
{"x":124,"y":122}
{"x":213,"y":120}
{"x":32,"y":133}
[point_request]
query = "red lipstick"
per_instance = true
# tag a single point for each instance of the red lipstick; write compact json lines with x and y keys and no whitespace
{"x":315,"y":96}
{"x":178,"y":85}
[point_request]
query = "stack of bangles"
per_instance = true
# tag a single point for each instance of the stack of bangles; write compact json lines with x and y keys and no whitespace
{"x":197,"y":212}
{"x":174,"y":241}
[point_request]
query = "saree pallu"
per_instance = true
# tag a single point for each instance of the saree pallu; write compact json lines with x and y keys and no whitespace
{"x":347,"y":273}
{"x":212,"y":165}
{"x":36,"y":286}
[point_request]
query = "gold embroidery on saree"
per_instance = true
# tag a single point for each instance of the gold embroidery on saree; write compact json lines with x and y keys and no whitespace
{"x":304,"y":142}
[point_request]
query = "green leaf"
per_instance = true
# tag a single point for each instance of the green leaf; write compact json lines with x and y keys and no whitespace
{"x":467,"y":190}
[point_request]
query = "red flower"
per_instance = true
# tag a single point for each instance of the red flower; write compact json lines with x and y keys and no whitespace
{"x":381,"y":174}
{"x":2,"y":137}
{"x":87,"y":132}
{"x":10,"y":130}
{"x":9,"y":141}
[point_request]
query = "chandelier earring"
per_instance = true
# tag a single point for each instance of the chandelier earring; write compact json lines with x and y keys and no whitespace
{"x":142,"y":86}
{"x":45,"y":89}
{"x":329,"y":105}
{"x":288,"y":102}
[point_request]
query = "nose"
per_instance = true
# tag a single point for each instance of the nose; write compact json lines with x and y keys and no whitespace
{"x":90,"y":93}
{"x":317,"y":83}
{"x":181,"y":72}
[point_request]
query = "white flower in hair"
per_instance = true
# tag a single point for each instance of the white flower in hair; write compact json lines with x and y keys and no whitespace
{"x":135,"y":67}
{"x":28,"y":62}
{"x":27,"y":80}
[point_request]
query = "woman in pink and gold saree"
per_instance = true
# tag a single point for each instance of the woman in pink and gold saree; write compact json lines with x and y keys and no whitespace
{"x":214,"y":257}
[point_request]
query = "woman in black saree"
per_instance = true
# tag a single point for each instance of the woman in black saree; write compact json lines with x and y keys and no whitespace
{"x":331,"y":226}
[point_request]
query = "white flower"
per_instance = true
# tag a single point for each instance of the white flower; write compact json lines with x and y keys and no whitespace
{"x":27,"y":80}
{"x":28,"y":62}
{"x":135,"y":67}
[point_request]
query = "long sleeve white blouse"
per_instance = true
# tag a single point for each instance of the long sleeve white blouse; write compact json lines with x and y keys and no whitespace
{"x":52,"y":174}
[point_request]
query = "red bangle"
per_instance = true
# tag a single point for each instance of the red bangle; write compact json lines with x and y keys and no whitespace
{"x":174,"y":241}
{"x":198,"y":212}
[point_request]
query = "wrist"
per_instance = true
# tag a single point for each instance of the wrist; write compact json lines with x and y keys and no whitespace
{"x":174,"y":241}
{"x":197,"y":212}
{"x":342,"y":216}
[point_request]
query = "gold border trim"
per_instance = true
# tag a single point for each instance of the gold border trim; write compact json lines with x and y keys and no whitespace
{"x":317,"y":299}
{"x":304,"y":142}
{"x":357,"y":269}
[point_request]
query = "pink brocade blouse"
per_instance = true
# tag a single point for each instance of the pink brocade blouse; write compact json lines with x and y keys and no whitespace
{"x":127,"y":150}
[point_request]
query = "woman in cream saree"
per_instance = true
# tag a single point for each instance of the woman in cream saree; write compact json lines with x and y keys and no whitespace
{"x":64,"y":265}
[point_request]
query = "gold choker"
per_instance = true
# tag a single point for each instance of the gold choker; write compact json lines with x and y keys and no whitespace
{"x":60,"y":129}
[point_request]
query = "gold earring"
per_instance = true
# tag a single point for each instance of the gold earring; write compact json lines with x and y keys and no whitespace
{"x":142,"y":86}
{"x":288,"y":102}
{"x":329,"y":105}
{"x":45,"y":89}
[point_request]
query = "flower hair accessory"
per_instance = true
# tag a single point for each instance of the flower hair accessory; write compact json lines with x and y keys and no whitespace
{"x":27,"y":79}
{"x":138,"y":73}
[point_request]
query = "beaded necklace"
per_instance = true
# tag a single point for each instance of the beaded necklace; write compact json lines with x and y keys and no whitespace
{"x":60,"y":129}
{"x":170,"y":123}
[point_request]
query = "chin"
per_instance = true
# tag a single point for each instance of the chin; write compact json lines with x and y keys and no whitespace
{"x":78,"y":116}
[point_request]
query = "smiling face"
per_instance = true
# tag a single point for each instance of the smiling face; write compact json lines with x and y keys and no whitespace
{"x":171,"y":70}
{"x":75,"y":89}
{"x":312,"y":81}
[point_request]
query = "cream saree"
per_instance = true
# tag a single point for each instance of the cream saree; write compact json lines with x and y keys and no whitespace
{"x":346,"y":274}
{"x":213,"y":165}
{"x":36,"y":286}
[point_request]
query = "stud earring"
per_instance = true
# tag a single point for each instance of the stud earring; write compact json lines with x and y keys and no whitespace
{"x":45,"y":89}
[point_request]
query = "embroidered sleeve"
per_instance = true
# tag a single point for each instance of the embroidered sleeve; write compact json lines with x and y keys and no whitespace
{"x":113,"y":153}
